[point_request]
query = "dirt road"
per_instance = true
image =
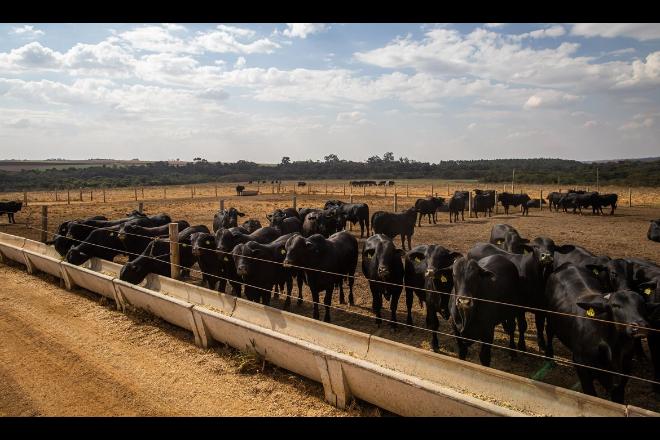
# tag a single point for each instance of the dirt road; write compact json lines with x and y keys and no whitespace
{"x":72,"y":354}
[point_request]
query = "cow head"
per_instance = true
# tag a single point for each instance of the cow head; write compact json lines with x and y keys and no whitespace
{"x":201,"y":243}
{"x":625,"y":308}
{"x":467,"y":275}
{"x":75,"y":256}
{"x":379,"y":254}
{"x":134,"y":271}
{"x":302,"y":251}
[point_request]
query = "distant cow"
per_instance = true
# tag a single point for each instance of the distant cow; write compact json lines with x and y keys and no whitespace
{"x":226,"y":218}
{"x":10,"y":208}
{"x":509,"y":199}
{"x":458,"y":202}
{"x":302,"y":183}
{"x":428,"y":206}
{"x":654,"y":231}
{"x":535,"y":203}
{"x":352,"y":212}
{"x":381,"y":261}
{"x":239,"y":188}
{"x":553,"y":199}
{"x":251,"y":225}
{"x":483,"y":201}
{"x":286,"y":220}
{"x":604,"y":200}
{"x":395,"y":223}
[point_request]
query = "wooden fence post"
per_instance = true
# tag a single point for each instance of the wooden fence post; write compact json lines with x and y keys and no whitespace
{"x":470,"y":204}
{"x":294,"y":202}
{"x":142,"y":188}
{"x":175,"y":270}
{"x":222,"y":204}
{"x":431,"y":190}
{"x":192,"y":192}
{"x":103,"y":195}
{"x":135,"y":193}
{"x":364,"y":190}
{"x":140,"y":207}
{"x":25,"y":199}
{"x":68,"y":197}
{"x":81,"y":195}
{"x":44,"y":223}
{"x":395,"y":201}
{"x":495,"y":202}
{"x":344,"y":185}
{"x":407,"y":193}
{"x":541,"y":201}
{"x":629,"y":197}
{"x":216,"y":190}
{"x":91,"y":195}
{"x":326,"y":189}
{"x":165,"y":192}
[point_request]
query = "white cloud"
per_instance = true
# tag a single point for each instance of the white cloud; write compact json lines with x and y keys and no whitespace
{"x":472,"y":126}
{"x":638,"y":31}
{"x":31,"y":56}
{"x":550,"y":98}
{"x":590,"y":123}
{"x":240,"y":63}
{"x":642,"y":74}
{"x":226,"y":40}
{"x":27,"y":31}
{"x":640,"y":121}
{"x":554,"y":31}
{"x":302,"y":30}
{"x":350,"y":117}
{"x":495,"y":25}
{"x":156,"y":39}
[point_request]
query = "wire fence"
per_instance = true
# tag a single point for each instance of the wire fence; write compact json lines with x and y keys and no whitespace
{"x":411,"y":326}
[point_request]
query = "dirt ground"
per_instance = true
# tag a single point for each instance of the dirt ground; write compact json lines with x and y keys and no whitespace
{"x":620,"y":235}
{"x":73,"y":354}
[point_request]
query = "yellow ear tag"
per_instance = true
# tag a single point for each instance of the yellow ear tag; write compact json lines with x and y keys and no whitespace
{"x":500,"y":241}
{"x":596,"y":271}
{"x":226,"y":259}
{"x":591,"y":312}
{"x":647,"y":290}
{"x":525,"y":252}
{"x":443,"y":279}
{"x":417,"y":260}
{"x":207,"y":242}
{"x":283,"y":251}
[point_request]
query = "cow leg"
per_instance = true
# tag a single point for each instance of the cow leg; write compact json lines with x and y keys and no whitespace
{"x":419,"y":219}
{"x":394,"y":302}
{"x":315,"y":299}
{"x":509,"y":326}
{"x":376,"y":301}
{"x":586,"y":380}
{"x":654,"y":347}
{"x":327,"y":301}
{"x":403,"y":244}
{"x":265,"y":296}
{"x":351,"y":299}
{"x":409,"y":239}
{"x":539,"y":318}
{"x":550,"y":333}
{"x":432,"y":323}
{"x":638,"y":350}
{"x":484,"y":353}
{"x":429,"y":218}
{"x":462,"y":215}
{"x":342,"y":300}
{"x":300,"y":282}
{"x":409,"y":302}
{"x":462,"y":348}
{"x":522,"y":328}
{"x":289,"y":289}
{"x":222,"y":285}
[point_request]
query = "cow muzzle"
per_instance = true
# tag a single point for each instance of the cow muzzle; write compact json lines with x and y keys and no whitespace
{"x":464,"y":302}
{"x":637,"y":330}
{"x":383,"y":273}
{"x":547,"y":258}
{"x":286,"y":263}
{"x":430,"y":273}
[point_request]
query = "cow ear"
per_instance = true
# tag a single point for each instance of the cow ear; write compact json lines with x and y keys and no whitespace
{"x":269,"y":216}
{"x":596,"y":269}
{"x":485,"y":273}
{"x":592,"y":304}
{"x":527,"y":249}
{"x":240,"y":214}
{"x":455,"y":256}
{"x":564,"y":249}
{"x":416,"y":257}
{"x":400,"y":253}
{"x":524,"y":240}
{"x":647,"y":289}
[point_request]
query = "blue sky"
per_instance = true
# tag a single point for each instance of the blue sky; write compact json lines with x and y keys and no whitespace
{"x":262,"y":91}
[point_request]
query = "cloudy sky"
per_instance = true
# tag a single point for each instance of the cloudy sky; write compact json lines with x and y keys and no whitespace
{"x":262,"y":91}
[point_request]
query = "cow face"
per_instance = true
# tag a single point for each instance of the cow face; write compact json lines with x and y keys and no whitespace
{"x":379,"y":254}
{"x":225,"y":240}
{"x":75,"y":256}
{"x":467,"y":276}
{"x":624,"y":307}
{"x":133,"y":272}
{"x":514,"y":243}
{"x":299,"y":251}
{"x":251,"y":225}
{"x":202,"y":242}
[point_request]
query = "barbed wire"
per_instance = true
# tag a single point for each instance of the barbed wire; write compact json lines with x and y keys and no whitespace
{"x":242,"y":283}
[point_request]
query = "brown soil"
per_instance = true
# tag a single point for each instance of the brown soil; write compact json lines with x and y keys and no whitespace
{"x":621,"y":235}
{"x":72,"y":354}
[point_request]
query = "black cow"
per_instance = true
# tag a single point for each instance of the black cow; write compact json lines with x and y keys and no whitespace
{"x":65,"y":243}
{"x":302,"y":183}
{"x":251,"y":225}
{"x":575,"y":294}
{"x":534,"y":267}
{"x":535,"y":203}
{"x":204,"y":252}
{"x":498,"y":233}
{"x":553,"y":200}
{"x":428,"y":274}
{"x":337,"y":254}
{"x":156,"y":257}
{"x":10,"y":208}
{"x":647,"y":282}
{"x":654,"y":231}
{"x":352,"y":212}
{"x":104,"y":242}
{"x":457,"y":203}
{"x":577,"y":201}
{"x":381,"y":261}
{"x":603,"y":200}
{"x":287,"y":220}
{"x":226,"y":218}
{"x":227,"y":239}
{"x":493,"y":278}
{"x":239,"y":189}
{"x":483,"y":201}
{"x":136,"y":238}
{"x":428,"y":206}
{"x":259,"y":266}
{"x":324,"y":222}
{"x":395,"y":223}
{"x":509,"y":199}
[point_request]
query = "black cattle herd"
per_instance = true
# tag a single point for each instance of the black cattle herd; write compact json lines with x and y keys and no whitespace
{"x":493,"y":284}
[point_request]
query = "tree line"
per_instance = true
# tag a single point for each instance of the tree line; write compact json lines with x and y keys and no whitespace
{"x":542,"y":171}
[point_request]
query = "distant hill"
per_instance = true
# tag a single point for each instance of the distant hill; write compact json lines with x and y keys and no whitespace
{"x":87,"y":174}
{"x":641,"y":159}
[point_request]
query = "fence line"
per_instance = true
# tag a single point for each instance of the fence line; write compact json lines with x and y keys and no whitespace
{"x":566,"y":362}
